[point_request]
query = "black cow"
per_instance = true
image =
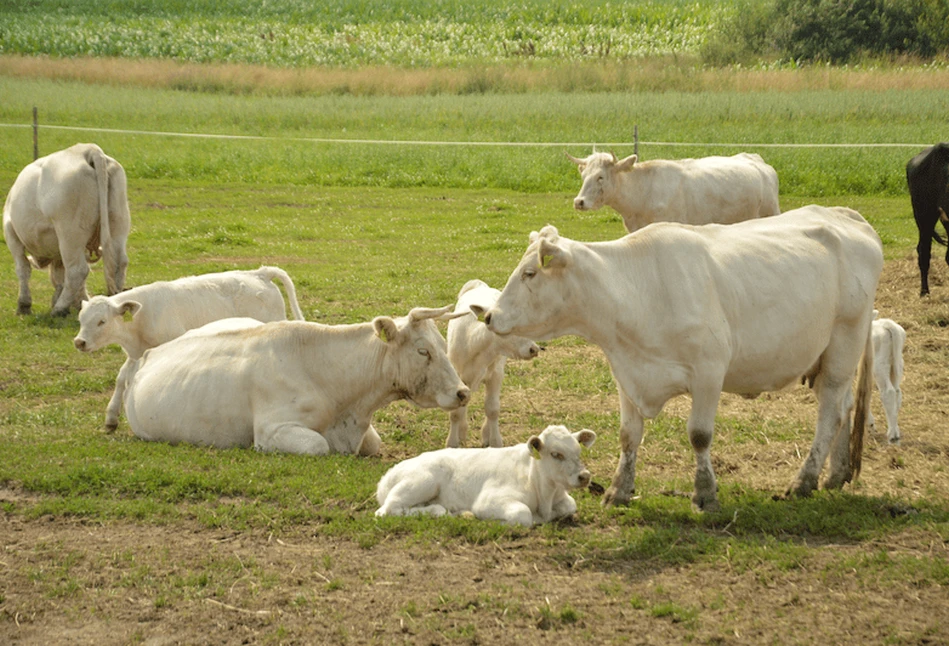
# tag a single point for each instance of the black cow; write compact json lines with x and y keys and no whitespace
{"x":927,"y":175}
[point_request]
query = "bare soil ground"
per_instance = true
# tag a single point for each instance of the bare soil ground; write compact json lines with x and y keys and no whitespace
{"x":68,"y":581}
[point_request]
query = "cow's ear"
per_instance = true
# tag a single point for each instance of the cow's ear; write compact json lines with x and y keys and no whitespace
{"x":626,"y":164}
{"x":586,"y":437}
{"x":550,"y":256}
{"x":535,"y":444}
{"x":386,"y":329}
{"x":129,"y":309}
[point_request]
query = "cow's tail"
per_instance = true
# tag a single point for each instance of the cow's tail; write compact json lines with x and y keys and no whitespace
{"x":97,"y":159}
{"x":945,"y":222}
{"x":897,"y":341}
{"x":862,"y":407}
{"x":269,"y":273}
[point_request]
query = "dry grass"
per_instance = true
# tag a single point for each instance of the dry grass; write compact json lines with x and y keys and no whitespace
{"x":676,"y":74}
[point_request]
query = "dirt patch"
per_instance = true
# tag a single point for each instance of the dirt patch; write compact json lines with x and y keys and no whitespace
{"x":69,"y":582}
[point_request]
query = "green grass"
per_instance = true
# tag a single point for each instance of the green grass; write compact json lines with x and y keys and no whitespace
{"x":734,"y":121}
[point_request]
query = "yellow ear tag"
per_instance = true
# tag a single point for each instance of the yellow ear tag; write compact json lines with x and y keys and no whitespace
{"x":546,"y":260}
{"x":127,"y":316}
{"x":382,"y":335}
{"x":535,"y":453}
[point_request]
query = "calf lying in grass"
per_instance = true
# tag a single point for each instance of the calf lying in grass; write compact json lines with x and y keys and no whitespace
{"x":524,"y":484}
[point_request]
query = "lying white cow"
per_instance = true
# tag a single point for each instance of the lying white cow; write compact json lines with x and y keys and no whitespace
{"x":149,"y":315}
{"x":744,"y":308}
{"x":290,"y":386}
{"x":691,"y":191}
{"x":521,"y":485}
{"x":66,"y":210}
{"x":889,"y":337}
{"x":480,"y":355}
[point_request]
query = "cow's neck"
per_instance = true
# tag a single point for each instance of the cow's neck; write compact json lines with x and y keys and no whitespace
{"x":630,"y":197}
{"x":349,"y":362}
{"x":542,"y":490}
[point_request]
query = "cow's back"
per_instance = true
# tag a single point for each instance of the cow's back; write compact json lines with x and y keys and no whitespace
{"x":762,"y":297}
{"x":170,"y":308}
{"x":55,"y":192}
{"x":707,"y":190}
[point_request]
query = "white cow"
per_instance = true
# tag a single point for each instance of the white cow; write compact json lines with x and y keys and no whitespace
{"x":290,"y":386}
{"x":479,"y":355}
{"x":66,"y":210}
{"x":889,"y":337}
{"x":525,"y":484}
{"x":149,"y":315}
{"x":691,"y":191}
{"x":744,"y":308}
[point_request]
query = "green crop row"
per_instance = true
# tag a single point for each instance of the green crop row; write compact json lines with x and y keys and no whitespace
{"x":409,"y":34}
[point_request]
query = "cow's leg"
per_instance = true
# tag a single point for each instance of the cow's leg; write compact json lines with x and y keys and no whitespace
{"x":458,"y":434}
{"x":370,"y":443}
{"x":630,"y":437}
{"x":24,"y":302}
{"x":74,"y":285}
{"x":290,"y":437}
{"x":923,"y":252}
{"x":490,"y":431}
{"x":115,"y":404}
{"x":57,"y":277}
{"x":830,"y":397}
{"x":563,"y":506}
{"x":409,"y":495}
{"x":499,"y":507}
{"x":701,"y":427}
{"x":891,"y":396}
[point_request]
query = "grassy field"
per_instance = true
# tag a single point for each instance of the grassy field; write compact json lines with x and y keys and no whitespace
{"x":715,"y":122}
{"x":107,"y":539}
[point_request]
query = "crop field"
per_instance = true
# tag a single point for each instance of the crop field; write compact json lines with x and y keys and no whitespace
{"x":376,"y":202}
{"x":414,"y":33}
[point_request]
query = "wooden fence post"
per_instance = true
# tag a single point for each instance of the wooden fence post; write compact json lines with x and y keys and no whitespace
{"x":36,"y":136}
{"x":636,"y":140}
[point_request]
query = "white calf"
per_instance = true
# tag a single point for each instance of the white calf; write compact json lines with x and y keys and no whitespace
{"x":479,"y":355}
{"x":888,"y":341}
{"x":520,"y":485}
{"x":149,"y":315}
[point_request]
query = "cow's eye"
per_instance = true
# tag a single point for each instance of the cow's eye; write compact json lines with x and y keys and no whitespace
{"x":557,"y":456}
{"x":425,"y":353}
{"x":530,"y":272}
{"x":100,"y":323}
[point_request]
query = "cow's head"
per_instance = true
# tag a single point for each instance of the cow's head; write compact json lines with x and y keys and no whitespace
{"x":536,"y":301}
{"x":558,"y":453}
{"x":599,"y":172}
{"x":417,"y":361}
{"x":98,"y":320}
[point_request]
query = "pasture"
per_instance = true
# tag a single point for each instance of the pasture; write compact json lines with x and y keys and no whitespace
{"x":107,"y":539}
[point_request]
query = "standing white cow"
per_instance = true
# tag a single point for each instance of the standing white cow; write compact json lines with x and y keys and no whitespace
{"x":692,"y":191}
{"x":149,"y":315}
{"x":889,"y":337}
{"x":525,"y":484}
{"x":480,"y":355}
{"x":66,"y":210}
{"x":744,"y":308}
{"x":290,"y":386}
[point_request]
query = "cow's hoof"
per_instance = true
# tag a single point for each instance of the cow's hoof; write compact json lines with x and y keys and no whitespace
{"x":800,"y":489}
{"x":613,"y":499}
{"x":24,"y":309}
{"x":705,"y":504}
{"x":894,"y":441}
{"x":110,"y":427}
{"x":60,"y":313}
{"x":837,"y":480}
